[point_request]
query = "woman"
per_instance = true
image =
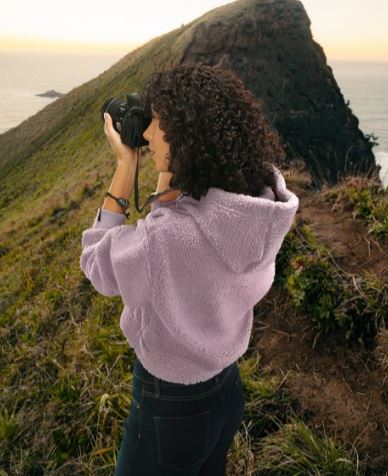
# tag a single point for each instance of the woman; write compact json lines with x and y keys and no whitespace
{"x":191,"y":272}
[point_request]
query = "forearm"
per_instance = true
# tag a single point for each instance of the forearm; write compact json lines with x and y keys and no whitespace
{"x":122,"y":185}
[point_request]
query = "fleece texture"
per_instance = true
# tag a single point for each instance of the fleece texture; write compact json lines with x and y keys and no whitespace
{"x":189,"y":275}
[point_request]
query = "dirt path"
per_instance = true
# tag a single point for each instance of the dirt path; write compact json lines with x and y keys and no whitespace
{"x":355,"y":250}
{"x":340,"y":391}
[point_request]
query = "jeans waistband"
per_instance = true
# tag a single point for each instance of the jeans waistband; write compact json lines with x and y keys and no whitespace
{"x":142,"y":374}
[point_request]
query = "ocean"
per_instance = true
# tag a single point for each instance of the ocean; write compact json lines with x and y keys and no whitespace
{"x":364,"y":85}
{"x":24,"y":74}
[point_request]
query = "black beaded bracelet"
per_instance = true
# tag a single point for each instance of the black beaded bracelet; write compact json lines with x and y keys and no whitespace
{"x":123,"y":202}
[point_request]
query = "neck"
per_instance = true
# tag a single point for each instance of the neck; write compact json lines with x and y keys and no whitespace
{"x":170,"y":195}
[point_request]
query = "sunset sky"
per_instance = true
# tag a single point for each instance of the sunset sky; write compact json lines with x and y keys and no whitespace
{"x":346,"y":29}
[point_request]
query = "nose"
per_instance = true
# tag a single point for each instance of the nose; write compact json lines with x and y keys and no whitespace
{"x":145,"y":134}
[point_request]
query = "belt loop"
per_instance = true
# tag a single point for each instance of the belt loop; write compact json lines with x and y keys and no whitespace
{"x":217,"y":378}
{"x":157,"y":389}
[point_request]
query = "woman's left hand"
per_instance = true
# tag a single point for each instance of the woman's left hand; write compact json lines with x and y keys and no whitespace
{"x":122,"y":151}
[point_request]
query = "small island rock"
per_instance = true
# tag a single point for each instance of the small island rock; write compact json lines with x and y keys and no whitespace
{"x":51,"y":94}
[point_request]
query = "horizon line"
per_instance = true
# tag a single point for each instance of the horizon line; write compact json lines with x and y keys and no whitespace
{"x":30,"y":45}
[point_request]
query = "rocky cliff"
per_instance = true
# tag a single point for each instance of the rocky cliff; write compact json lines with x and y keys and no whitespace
{"x":270,"y":45}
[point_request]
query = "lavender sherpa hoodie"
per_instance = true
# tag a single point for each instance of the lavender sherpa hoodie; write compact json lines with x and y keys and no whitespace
{"x":189,"y":275}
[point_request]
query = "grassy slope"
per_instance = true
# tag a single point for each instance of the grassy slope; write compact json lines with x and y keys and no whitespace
{"x":60,"y":339}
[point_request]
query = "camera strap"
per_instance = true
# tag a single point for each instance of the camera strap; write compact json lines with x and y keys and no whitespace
{"x":153,"y":195}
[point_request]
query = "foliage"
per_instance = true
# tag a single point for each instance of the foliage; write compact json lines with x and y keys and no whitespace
{"x":267,"y":402}
{"x":365,"y":200}
{"x":297,"y":450}
{"x":354,"y":306}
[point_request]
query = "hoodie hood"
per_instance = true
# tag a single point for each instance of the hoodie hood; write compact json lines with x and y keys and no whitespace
{"x":245,"y":231}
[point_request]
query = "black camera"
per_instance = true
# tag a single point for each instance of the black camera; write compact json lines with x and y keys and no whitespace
{"x":129,"y":119}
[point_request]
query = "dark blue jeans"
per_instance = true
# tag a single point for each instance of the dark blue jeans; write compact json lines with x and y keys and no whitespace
{"x":181,"y":429}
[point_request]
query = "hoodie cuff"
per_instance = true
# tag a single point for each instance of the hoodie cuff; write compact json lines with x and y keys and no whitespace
{"x":108,"y":219}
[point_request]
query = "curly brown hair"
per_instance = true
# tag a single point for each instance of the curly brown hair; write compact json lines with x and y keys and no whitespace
{"x":216,"y":129}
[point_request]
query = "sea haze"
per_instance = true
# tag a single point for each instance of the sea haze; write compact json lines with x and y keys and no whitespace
{"x":25,"y":74}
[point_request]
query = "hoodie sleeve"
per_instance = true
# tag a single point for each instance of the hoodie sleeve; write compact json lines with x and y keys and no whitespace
{"x":114,"y":257}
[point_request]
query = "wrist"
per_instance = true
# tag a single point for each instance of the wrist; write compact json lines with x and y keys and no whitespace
{"x":127,"y":160}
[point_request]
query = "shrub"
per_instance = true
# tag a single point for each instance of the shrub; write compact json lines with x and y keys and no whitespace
{"x":269,"y":403}
{"x":336,"y":301}
{"x":295,"y":449}
{"x":315,"y":289}
{"x":299,"y":240}
{"x":365,"y":200}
